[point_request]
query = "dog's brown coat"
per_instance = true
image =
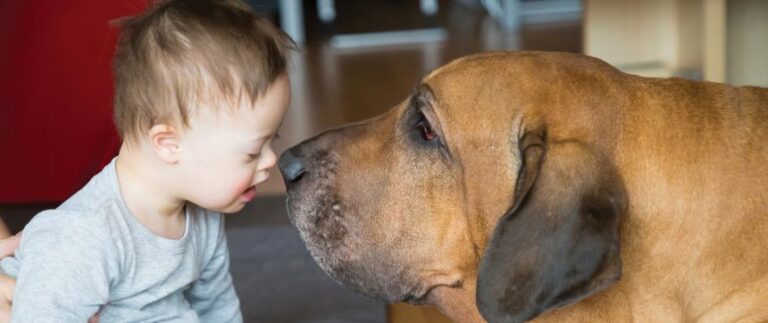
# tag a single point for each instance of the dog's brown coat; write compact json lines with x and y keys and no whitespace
{"x":691,"y":157}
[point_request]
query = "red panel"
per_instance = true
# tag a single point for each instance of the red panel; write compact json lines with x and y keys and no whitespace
{"x":56,"y":95}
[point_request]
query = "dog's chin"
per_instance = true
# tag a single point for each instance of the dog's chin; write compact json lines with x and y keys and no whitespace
{"x":362,"y":278}
{"x":344,"y":256}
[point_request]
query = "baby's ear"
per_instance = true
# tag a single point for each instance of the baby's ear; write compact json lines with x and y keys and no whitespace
{"x":164,"y":140}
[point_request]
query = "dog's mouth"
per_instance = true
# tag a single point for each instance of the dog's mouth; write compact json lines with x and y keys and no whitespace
{"x":334,"y":233}
{"x":320,"y":222}
{"x":416,"y":298}
{"x":342,"y":252}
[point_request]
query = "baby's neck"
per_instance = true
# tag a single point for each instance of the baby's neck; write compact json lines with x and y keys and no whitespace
{"x":144,"y":189}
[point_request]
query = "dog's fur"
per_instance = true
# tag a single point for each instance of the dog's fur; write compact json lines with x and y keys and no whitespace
{"x":555,"y":188}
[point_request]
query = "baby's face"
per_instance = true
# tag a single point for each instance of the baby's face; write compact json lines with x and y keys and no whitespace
{"x":227,"y":152}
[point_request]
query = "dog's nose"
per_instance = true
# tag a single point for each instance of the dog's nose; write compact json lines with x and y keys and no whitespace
{"x":291,"y":166}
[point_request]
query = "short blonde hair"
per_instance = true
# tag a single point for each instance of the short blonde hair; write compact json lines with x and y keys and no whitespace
{"x":182,"y":52}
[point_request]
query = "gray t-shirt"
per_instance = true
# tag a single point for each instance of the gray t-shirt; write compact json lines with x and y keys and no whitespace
{"x":91,"y":254}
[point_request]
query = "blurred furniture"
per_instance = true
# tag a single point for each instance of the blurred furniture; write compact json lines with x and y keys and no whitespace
{"x":290,"y":15}
{"x":713,"y":40}
{"x":56,"y":128}
{"x":292,"y":19}
{"x":326,"y":10}
{"x":292,"y":22}
{"x":511,"y":13}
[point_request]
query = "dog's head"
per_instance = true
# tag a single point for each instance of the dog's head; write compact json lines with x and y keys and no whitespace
{"x":491,"y":172}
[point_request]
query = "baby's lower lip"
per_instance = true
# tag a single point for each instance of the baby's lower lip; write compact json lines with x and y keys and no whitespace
{"x":249,"y":194}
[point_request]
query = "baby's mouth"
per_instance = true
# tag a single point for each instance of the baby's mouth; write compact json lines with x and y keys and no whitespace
{"x":249,"y":194}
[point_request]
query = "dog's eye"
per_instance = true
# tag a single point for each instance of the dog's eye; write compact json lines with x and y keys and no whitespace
{"x":427,"y":132}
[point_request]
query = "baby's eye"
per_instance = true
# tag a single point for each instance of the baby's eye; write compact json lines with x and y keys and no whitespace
{"x":253,"y":156}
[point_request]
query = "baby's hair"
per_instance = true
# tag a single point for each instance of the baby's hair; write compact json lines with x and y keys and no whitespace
{"x":183,"y":52}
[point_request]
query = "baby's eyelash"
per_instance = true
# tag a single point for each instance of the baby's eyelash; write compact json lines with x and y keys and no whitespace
{"x":276,"y":136}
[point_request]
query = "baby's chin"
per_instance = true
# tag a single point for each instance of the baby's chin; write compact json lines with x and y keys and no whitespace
{"x":233,"y":207}
{"x":229,"y":203}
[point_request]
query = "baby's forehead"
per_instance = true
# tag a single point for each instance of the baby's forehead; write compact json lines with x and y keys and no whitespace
{"x":229,"y":116}
{"x":241,"y":109}
{"x":211,"y":104}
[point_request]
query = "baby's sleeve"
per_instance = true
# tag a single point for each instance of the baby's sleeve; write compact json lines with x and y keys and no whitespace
{"x":64,"y":274}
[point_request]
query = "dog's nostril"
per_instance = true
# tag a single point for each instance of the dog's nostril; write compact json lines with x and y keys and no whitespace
{"x":291,"y":166}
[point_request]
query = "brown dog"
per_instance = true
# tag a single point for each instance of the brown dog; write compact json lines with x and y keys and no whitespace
{"x":550,"y":186}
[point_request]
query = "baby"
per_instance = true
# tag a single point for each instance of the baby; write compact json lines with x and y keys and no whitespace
{"x":200,"y":91}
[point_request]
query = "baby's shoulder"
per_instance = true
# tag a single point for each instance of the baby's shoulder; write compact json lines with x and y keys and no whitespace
{"x":61,"y":220}
{"x":76,"y":218}
{"x":93,"y":228}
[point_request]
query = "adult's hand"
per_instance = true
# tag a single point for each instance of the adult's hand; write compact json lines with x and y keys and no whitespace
{"x":7,"y":284}
{"x":8,"y":247}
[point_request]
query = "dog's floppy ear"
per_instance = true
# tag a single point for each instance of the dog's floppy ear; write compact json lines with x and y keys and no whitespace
{"x":559,"y":242}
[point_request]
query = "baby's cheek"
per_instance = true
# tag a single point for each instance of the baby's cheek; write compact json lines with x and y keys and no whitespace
{"x":243,"y":184}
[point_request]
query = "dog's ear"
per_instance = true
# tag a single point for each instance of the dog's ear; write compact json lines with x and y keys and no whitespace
{"x":559,"y":242}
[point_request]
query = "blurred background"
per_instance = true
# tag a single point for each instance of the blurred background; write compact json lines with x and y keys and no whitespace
{"x":358,"y":59}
